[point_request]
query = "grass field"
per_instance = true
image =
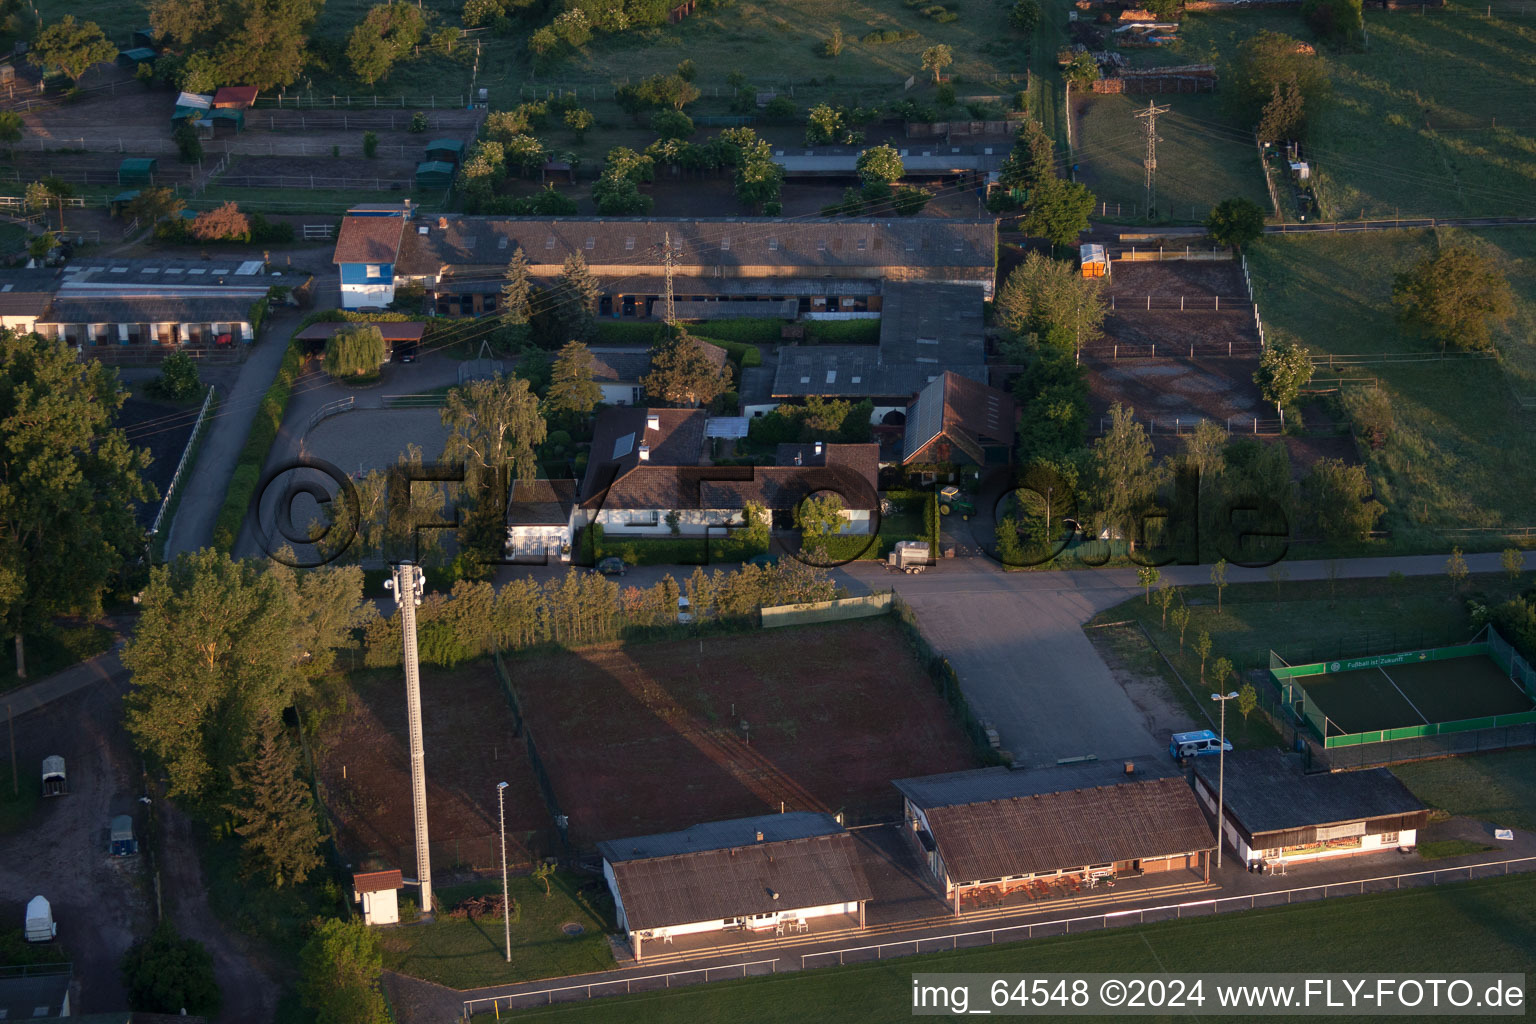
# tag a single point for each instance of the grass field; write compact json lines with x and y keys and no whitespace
{"x":651,"y":737}
{"x":1396,"y":696}
{"x":1413,"y":127}
{"x":461,"y":953}
{"x":18,"y":799}
{"x":1499,"y":787}
{"x":1461,"y":452}
{"x":1477,"y":926}
{"x":1193,"y":167}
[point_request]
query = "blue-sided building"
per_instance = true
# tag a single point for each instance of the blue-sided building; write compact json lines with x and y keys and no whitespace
{"x":366,"y":252}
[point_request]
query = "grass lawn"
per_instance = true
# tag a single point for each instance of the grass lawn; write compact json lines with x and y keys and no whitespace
{"x":1193,"y":166}
{"x":469,"y":954}
{"x":1461,"y":452}
{"x":1477,"y":926}
{"x":1499,"y":787}
{"x":1440,"y":849}
{"x":55,"y":648}
{"x":17,"y":800}
{"x":1303,"y":623}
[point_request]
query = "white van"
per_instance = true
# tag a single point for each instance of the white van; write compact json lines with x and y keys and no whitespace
{"x":1193,"y":744}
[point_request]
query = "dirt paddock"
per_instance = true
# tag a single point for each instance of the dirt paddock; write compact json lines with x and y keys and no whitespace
{"x":654,"y":737}
{"x":470,"y":744}
{"x":1177,"y":277}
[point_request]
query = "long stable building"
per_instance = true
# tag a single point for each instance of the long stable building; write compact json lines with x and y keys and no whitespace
{"x":832,"y":265}
{"x":1004,"y":830}
{"x":773,"y":874}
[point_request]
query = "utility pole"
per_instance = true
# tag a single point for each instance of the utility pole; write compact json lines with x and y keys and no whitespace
{"x":506,"y":902}
{"x":1149,"y":118}
{"x":666,"y":259}
{"x":408,"y":583}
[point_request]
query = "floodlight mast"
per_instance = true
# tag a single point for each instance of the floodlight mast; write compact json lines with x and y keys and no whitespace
{"x":1221,"y":769}
{"x":408,"y":585}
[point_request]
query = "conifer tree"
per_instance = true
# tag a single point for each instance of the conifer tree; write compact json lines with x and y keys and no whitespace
{"x":276,"y":813}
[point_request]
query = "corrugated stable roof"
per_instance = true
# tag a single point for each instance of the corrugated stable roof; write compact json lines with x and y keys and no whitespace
{"x":39,"y":987}
{"x":1050,"y":829}
{"x":786,"y":309}
{"x":721,"y":835}
{"x":239,"y":97}
{"x":148,"y":309}
{"x":1269,"y":791}
{"x":719,"y":870}
{"x":464,"y":242}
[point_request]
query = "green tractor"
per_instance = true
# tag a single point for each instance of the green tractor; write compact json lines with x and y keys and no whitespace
{"x":951,"y":500}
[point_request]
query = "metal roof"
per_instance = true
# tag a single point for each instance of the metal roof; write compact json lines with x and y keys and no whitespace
{"x":721,"y":835}
{"x":1269,"y":791}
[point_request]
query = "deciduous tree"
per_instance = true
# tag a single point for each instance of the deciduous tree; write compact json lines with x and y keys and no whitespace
{"x":72,"y":46}
{"x":356,"y":350}
{"x":1267,"y":59}
{"x":936,"y":59}
{"x":879,"y":165}
{"x":1337,"y":496}
{"x":68,"y":483}
{"x":153,"y":204}
{"x":1456,"y":296}
{"x":1284,"y":369}
{"x":224,"y":223}
{"x":1235,"y":222}
{"x":340,"y":968}
{"x":165,"y":973}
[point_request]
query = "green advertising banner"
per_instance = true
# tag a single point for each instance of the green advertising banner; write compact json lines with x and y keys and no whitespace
{"x":1379,"y":661}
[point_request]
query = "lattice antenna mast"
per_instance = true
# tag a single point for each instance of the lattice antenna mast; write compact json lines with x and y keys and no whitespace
{"x":1149,"y":120}
{"x":408,"y":585}
{"x":667,"y":259}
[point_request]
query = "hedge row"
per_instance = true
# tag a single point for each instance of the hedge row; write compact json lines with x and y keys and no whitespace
{"x":842,"y":332}
{"x":733,"y":547}
{"x":619,"y":332}
{"x":750,"y":330}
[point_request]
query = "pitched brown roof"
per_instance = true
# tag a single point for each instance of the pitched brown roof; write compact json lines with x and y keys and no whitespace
{"x":1048,"y":831}
{"x":238,"y":97}
{"x":541,"y":503}
{"x":965,"y":413}
{"x":369,"y":240}
{"x":377,"y":881}
{"x":814,"y":864}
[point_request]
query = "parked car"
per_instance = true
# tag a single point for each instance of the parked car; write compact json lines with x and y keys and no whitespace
{"x":405,"y":351}
{"x":612,"y":566}
{"x":1194,"y":744}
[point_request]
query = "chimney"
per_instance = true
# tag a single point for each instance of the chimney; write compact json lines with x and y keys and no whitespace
{"x":442,"y":223}
{"x":1130,"y":767}
{"x":652,"y":421}
{"x":759,"y":835}
{"x":774,"y":893}
{"x":818,"y":447}
{"x":645,"y":453}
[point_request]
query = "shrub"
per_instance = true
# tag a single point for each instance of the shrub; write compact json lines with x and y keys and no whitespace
{"x":752,"y":330}
{"x":843,"y":332}
{"x":370,"y":145}
{"x":166,"y":973}
{"x":223,"y":224}
{"x":890,"y":35}
{"x":178,"y":378}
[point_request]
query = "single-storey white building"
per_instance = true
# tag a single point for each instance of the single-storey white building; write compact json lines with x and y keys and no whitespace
{"x":378,"y":892}
{"x":766,"y":874}
{"x":539,"y":521}
{"x":999,"y":831}
{"x":649,"y":471}
{"x":1275,"y":813}
{"x":25,"y":295}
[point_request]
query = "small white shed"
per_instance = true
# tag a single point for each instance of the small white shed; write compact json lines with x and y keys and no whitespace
{"x":378,"y":892}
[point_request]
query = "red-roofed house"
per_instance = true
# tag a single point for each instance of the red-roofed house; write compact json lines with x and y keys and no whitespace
{"x":366,"y":251}
{"x":377,"y":892}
